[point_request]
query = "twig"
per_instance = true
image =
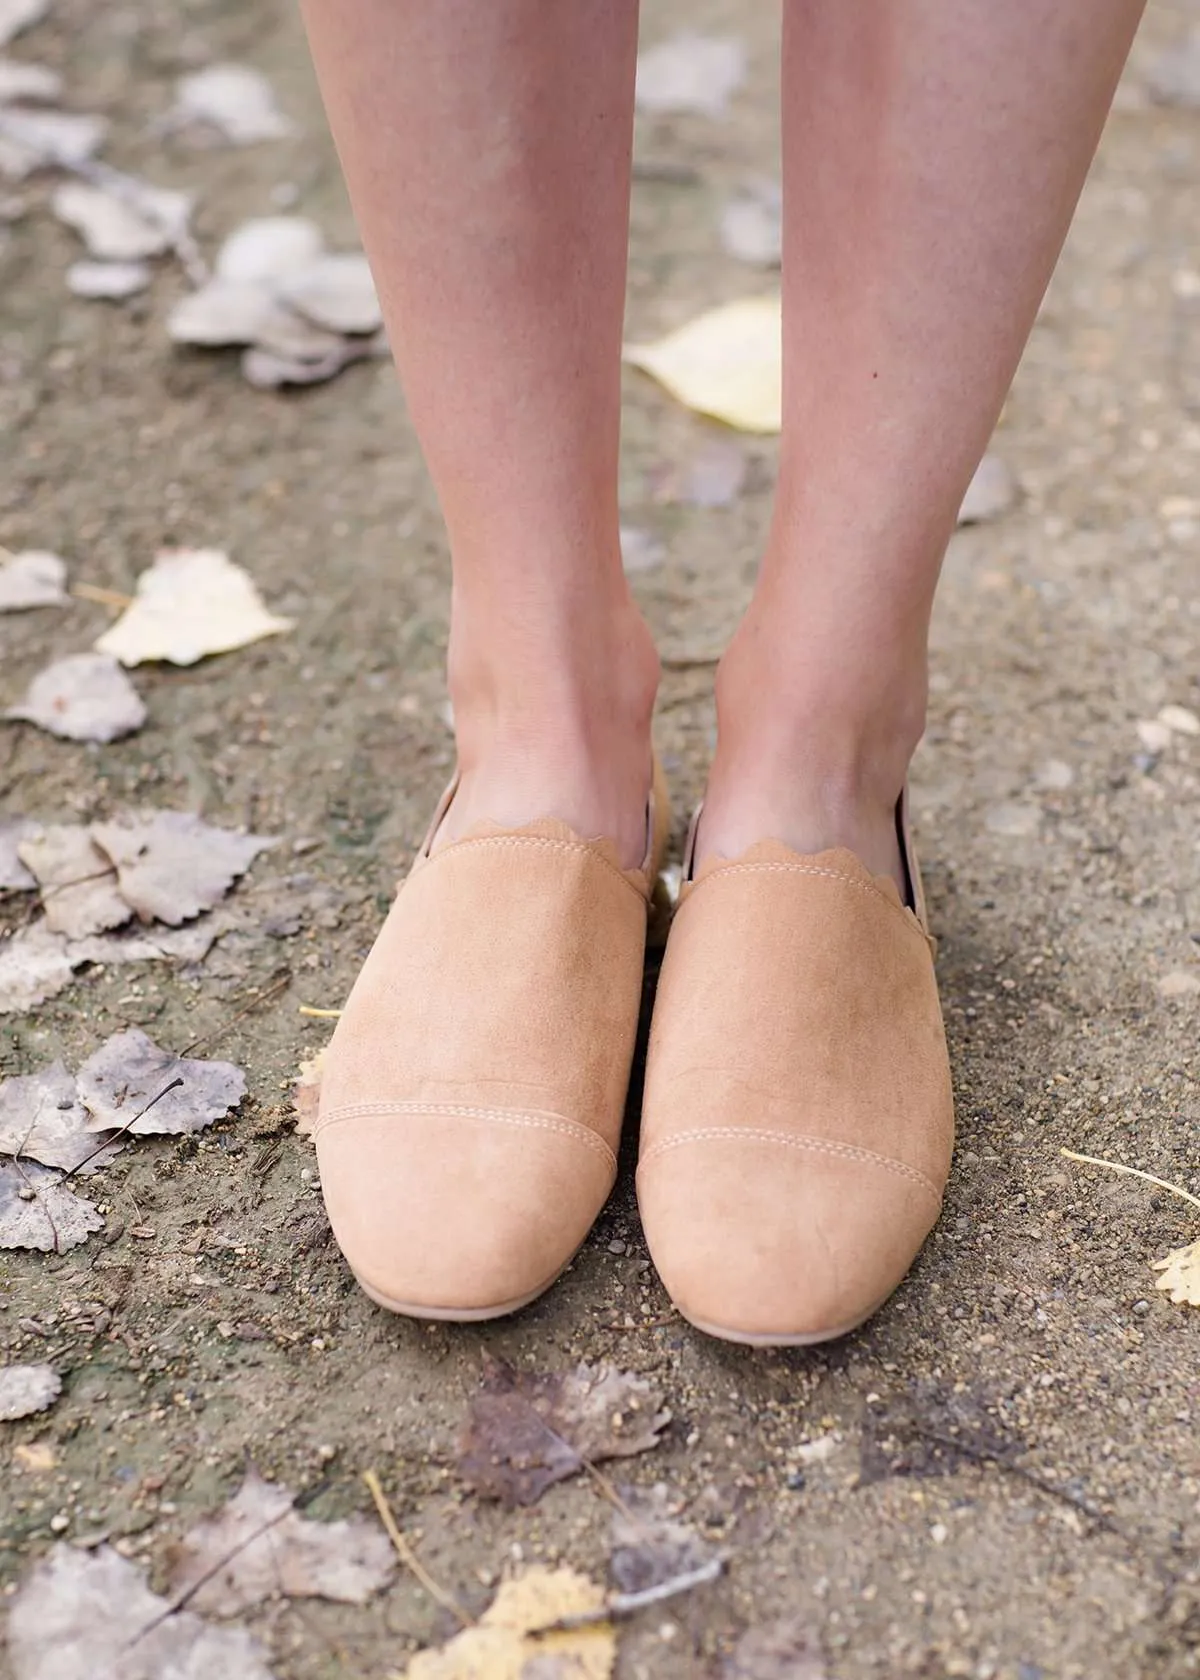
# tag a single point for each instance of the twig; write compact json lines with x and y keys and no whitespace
{"x":109,"y":1141}
{"x":318,"y":1014}
{"x":279,"y":984}
{"x":1133,"y":1172}
{"x":130,"y":191}
{"x":618,"y":1605}
{"x":104,"y":597}
{"x":407,"y":1556}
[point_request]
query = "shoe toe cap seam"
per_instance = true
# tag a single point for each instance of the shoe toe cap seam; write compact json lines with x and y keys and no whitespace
{"x":530,"y":1119}
{"x":788,"y":1140}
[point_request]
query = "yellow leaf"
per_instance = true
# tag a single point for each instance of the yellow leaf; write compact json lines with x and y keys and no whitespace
{"x":504,"y":1642}
{"x":306,"y":1092}
{"x":189,"y":604}
{"x":1181,"y":1274}
{"x":727,"y":363}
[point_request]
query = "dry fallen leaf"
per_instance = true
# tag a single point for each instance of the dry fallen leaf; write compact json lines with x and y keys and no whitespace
{"x":129,"y":1070}
{"x":14,"y":877}
{"x":31,"y":579}
{"x":258,"y":1547}
{"x":526,"y":1430}
{"x":266,"y":249}
{"x":116,"y":230}
{"x":85,"y":697}
{"x":991,"y":492}
{"x":784,"y":1650}
{"x":26,"y":1389}
{"x":1181,"y":1275}
{"x":189,"y":604}
{"x":233,"y":99}
{"x":267,"y":370}
{"x":283,"y":333}
{"x":505,"y":1645}
{"x":16,"y":15}
{"x":752,"y":224}
{"x":690,"y":73}
{"x":650,"y":1544}
{"x":27,"y":81}
{"x":1180,"y":720}
{"x":36,"y":963}
{"x":78,"y":884}
{"x":221,"y":313}
{"x":335,"y":291}
{"x":42,"y":1119}
{"x":37,"y":1211}
{"x":89,"y":1615}
{"x":32,"y":140}
{"x":726,"y":363}
{"x":109,"y":281}
{"x":171,"y":865}
{"x":1180,"y":983}
{"x":306,"y":1093}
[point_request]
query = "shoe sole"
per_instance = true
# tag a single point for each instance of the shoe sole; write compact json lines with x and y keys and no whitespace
{"x":455,"y":1315}
{"x":767,"y":1339}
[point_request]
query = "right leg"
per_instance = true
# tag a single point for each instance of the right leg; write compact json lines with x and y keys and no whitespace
{"x":487,"y":152}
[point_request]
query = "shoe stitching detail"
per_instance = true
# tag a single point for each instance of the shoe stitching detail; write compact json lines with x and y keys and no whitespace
{"x":907,"y":915}
{"x":530,"y":1118}
{"x":543,"y":840}
{"x":815,"y":1145}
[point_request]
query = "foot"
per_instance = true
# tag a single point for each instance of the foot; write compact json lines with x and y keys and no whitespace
{"x":563,"y":737}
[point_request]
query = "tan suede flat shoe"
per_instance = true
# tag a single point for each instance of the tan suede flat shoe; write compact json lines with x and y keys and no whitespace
{"x":798,"y":1119}
{"x":473,"y":1092}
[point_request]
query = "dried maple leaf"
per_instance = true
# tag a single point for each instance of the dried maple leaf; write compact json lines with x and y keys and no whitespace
{"x":36,"y":963}
{"x":258,"y":1547}
{"x":170,"y":865}
{"x":129,"y":1071}
{"x":527,"y":1430}
{"x":86,"y":697}
{"x":42,"y":1119}
{"x":650,"y":1544}
{"x":506,"y":1643}
{"x":1181,"y":1275}
{"x":26,"y":1389}
{"x":89,"y":1615}
{"x":77,"y":882}
{"x":190,"y":604}
{"x":37,"y":1211}
{"x":306,"y":1093}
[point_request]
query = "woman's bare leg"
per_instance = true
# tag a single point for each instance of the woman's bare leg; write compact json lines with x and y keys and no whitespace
{"x":487,"y":151}
{"x":933,"y":154}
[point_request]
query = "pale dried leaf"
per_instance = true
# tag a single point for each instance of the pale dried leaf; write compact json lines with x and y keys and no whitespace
{"x":505,"y":1645}
{"x":1181,"y":720}
{"x":32,"y":140}
{"x":267,"y":249}
{"x":171,"y":865}
{"x":14,"y":877}
{"x":306,"y":1093}
{"x":784,"y":1650}
{"x":107,"y":281}
{"x":1154,"y":735}
{"x":1180,"y":983}
{"x":690,"y":73}
{"x":1175,"y":77}
{"x":85,"y":697}
{"x":727,"y":363}
{"x":89,"y":1615}
{"x":258,"y":1547}
{"x":17,"y":15}
{"x":268,"y":371}
{"x":336,"y":291}
{"x":1181,"y":1275}
{"x":526,"y":1430}
{"x":649,"y":1543}
{"x":220,"y":313}
{"x":233,"y":99}
{"x":190,"y":604}
{"x":51,"y":1220}
{"x":752,"y":224}
{"x":129,"y":1070}
{"x":32,"y":578}
{"x":27,"y":81}
{"x":991,"y":492}
{"x":116,"y":230}
{"x":42,"y":1119}
{"x":286,"y":334}
{"x":36,"y":964}
{"x":26,"y":1389}
{"x":77,"y":882}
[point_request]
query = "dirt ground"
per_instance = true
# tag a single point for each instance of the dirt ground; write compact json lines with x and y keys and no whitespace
{"x":1064,"y":874}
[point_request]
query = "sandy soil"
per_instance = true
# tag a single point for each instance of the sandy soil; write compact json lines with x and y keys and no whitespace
{"x":1064,"y":874}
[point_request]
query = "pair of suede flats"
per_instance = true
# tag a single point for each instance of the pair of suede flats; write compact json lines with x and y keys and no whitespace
{"x":797,"y":1120}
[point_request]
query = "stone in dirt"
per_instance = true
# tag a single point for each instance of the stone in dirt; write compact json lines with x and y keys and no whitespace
{"x":27,"y":1389}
